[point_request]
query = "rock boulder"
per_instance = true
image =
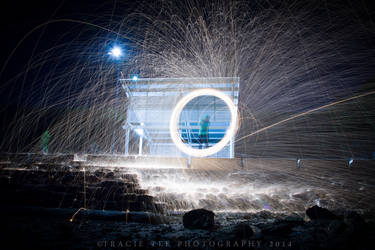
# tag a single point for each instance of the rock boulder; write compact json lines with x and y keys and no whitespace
{"x":319,"y":213}
{"x":199,"y":219}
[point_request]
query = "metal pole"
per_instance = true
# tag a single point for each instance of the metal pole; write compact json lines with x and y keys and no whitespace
{"x":127,"y":141}
{"x":140,"y":145}
{"x":231,"y":148}
{"x":189,"y":161}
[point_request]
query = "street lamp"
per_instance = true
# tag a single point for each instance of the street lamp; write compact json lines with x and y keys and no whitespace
{"x":116,"y":53}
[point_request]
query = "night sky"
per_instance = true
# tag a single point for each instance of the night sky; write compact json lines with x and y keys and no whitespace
{"x":20,"y":17}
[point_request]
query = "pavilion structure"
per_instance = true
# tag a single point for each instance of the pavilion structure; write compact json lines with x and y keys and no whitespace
{"x":150,"y":105}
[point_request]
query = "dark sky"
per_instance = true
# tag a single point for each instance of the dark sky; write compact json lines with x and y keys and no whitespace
{"x":20,"y":17}
{"x":17,"y":18}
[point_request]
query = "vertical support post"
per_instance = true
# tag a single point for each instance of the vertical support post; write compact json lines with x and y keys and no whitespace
{"x":231,"y":145}
{"x":127,"y":141}
{"x":233,"y":83}
{"x":189,"y":161}
{"x":84,"y":188}
{"x":140,"y":145}
{"x":231,"y":148}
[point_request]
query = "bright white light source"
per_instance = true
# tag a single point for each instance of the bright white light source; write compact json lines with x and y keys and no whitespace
{"x":175,"y":117}
{"x":135,"y":78}
{"x":139,"y":131}
{"x":116,"y":52}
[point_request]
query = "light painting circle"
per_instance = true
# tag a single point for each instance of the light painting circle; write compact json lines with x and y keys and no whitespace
{"x":175,"y":117}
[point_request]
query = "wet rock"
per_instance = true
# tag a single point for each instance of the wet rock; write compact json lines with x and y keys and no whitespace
{"x":141,"y":191}
{"x":129,"y":177}
{"x":235,"y":232}
{"x":281,"y":228}
{"x":243,"y":231}
{"x":131,"y":187}
{"x":111,"y":184}
{"x":66,"y":169}
{"x":127,"y":217}
{"x":57,"y":188}
{"x":92,"y":179}
{"x":129,"y":197}
{"x":146,"y":218}
{"x":264,"y":214}
{"x":65,"y":228}
{"x":199,"y":219}
{"x":336,"y":227}
{"x":110,"y":175}
{"x":67,"y":179}
{"x":319,"y":213}
{"x":145,"y":198}
{"x":294,"y":217}
{"x":99,"y":173}
{"x":354,"y":221}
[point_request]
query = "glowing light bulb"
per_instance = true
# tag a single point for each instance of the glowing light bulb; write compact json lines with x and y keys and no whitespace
{"x":116,"y":52}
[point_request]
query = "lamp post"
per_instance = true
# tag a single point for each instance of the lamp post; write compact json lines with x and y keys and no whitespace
{"x":116,"y":54}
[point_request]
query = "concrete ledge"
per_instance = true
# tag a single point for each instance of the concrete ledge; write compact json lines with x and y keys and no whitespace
{"x":88,"y":214}
{"x":138,"y":161}
{"x":216,"y":164}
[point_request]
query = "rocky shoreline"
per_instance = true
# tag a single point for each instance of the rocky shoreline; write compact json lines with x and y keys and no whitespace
{"x":53,"y":228}
{"x":66,"y":205}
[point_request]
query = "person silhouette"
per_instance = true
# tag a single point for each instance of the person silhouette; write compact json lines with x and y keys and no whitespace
{"x":45,"y":140}
{"x":203,"y":131}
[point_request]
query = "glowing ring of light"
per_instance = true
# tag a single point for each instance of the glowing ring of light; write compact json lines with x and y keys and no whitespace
{"x":175,"y":117}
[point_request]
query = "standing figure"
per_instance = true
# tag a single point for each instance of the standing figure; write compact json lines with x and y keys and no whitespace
{"x":45,"y":140}
{"x":203,"y":131}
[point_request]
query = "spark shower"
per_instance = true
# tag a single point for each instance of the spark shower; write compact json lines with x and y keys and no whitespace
{"x":306,"y":74}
